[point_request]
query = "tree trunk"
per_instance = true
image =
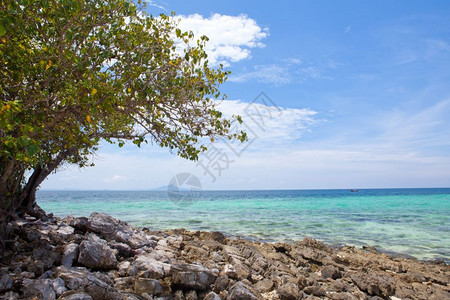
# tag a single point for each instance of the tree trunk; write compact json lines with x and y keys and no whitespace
{"x":15,"y":197}
{"x":11,"y":176}
{"x":27,"y":198}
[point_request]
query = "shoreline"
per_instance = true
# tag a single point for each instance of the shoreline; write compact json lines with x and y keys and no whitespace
{"x":101,"y":257}
{"x":379,"y":250}
{"x":368,"y":219}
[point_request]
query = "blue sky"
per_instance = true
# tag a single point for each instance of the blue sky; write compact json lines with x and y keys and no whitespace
{"x":361,"y":88}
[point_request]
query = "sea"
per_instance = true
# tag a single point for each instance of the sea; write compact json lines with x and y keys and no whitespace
{"x":405,"y":222}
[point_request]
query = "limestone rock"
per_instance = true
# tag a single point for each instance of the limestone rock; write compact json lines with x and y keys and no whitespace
{"x":108,"y":226}
{"x":289,"y":291}
{"x":58,"y":286}
{"x":97,"y":255}
{"x":80,"y":279}
{"x":221,"y":283}
{"x":70,"y":254}
{"x":264,"y":285}
{"x":191,"y":295}
{"x":40,"y":288}
{"x":241,"y":291}
{"x":184,"y":265}
{"x":149,"y":286}
{"x":375,"y":284}
{"x":6,"y":282}
{"x":192,"y":277}
{"x":146,"y":266}
{"x":211,"y":296}
{"x":122,"y":248}
{"x":47,"y":257}
{"x":229,"y":271}
{"x":330,"y":272}
{"x":64,"y":232}
{"x":80,"y":223}
{"x":119,"y":231}
{"x":76,"y":296}
{"x":315,"y":290}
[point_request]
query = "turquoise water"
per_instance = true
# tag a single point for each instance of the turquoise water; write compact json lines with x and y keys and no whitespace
{"x":409,"y":221}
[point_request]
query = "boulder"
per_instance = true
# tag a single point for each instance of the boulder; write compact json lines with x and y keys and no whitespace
{"x":108,"y":226}
{"x":149,"y":286}
{"x":264,"y":285}
{"x":191,"y":295}
{"x":80,"y":223}
{"x":115,"y":230}
{"x":345,"y":296}
{"x":64,"y":232}
{"x":58,"y":286}
{"x":237,"y":269}
{"x":242,"y":291}
{"x":11,"y":295}
{"x":221,"y":283}
{"x":6,"y":282}
{"x":76,"y":296}
{"x":289,"y":291}
{"x":211,"y":296}
{"x":123,"y":268}
{"x":192,"y":277}
{"x":77,"y":278}
{"x":140,"y":240}
{"x":39,"y":288}
{"x":375,"y":284}
{"x":124,"y":283}
{"x":122,"y":248}
{"x":81,"y":280}
{"x":330,"y":272}
{"x":179,"y":295}
{"x":315,"y":290}
{"x":146,"y":266}
{"x":70,"y":254}
{"x":229,"y":271}
{"x":97,"y":255}
{"x":36,"y":267}
{"x":47,"y":257}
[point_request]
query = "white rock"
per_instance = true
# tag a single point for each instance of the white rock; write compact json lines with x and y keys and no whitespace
{"x":70,"y":254}
{"x":148,"y":267}
{"x":58,"y":286}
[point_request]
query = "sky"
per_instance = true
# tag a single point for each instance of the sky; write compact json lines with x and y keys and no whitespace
{"x":334,"y":94}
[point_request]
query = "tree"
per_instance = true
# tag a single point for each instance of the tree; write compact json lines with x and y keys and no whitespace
{"x":76,"y":72}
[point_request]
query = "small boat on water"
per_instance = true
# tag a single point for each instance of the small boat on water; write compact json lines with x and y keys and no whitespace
{"x":354,"y":191}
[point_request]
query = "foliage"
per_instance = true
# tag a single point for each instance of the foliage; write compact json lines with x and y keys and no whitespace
{"x":75,"y":72}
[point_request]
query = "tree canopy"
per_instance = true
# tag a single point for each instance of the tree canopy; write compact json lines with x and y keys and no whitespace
{"x":76,"y":72}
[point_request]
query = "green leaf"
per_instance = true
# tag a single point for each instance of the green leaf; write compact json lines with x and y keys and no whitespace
{"x":2,"y":29}
{"x":32,"y":149}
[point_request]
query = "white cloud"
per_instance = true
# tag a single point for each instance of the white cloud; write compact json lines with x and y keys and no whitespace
{"x":290,"y":71}
{"x":115,"y":178}
{"x":273,"y":74}
{"x":436,"y":46}
{"x":293,"y":60}
{"x":348,"y":29}
{"x":407,"y":40}
{"x":156,"y":4}
{"x":426,"y":128}
{"x":311,"y":72}
{"x":230,"y":37}
{"x":272,"y":124}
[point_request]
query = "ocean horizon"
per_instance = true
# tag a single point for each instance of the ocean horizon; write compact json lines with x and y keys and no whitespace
{"x":409,"y":221}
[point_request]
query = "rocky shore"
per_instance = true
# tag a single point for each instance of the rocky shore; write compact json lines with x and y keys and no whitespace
{"x":103,"y":258}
